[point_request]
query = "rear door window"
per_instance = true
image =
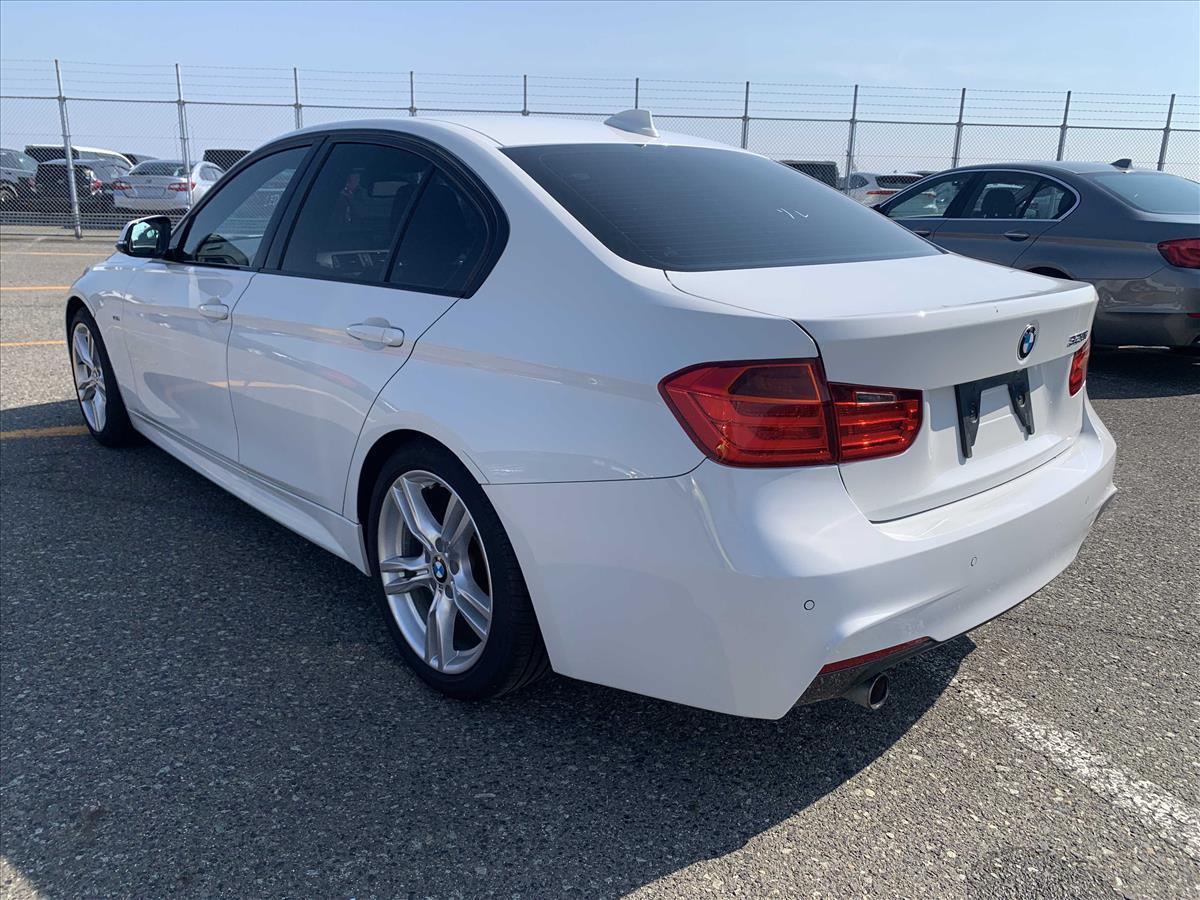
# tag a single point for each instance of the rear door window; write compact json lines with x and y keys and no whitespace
{"x":1050,"y":201}
{"x":704,"y":209}
{"x":354,"y":212}
{"x":444,"y":243}
{"x":1001,"y":195}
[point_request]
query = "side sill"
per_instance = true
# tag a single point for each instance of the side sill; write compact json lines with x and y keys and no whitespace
{"x":323,"y":527}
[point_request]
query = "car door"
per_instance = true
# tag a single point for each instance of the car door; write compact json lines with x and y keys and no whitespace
{"x":991,"y":224}
{"x":177,"y":317}
{"x":923,"y":208}
{"x":384,"y":241}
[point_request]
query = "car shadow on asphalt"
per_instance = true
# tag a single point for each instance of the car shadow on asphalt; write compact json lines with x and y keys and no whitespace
{"x":1137,"y":372}
{"x":198,"y":701}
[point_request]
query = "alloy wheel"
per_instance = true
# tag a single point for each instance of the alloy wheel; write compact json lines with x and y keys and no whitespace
{"x":435,"y":572}
{"x":89,"y":376}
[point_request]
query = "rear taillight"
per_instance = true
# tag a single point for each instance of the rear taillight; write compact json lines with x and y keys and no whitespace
{"x":1079,"y":363}
{"x":1184,"y":253}
{"x":783,"y":413}
{"x":181,"y":187}
{"x":97,"y":184}
{"x":873,"y":422}
{"x":120,"y":185}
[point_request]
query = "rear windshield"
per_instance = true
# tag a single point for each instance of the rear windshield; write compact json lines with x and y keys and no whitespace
{"x":158,"y":167}
{"x":696,"y":209}
{"x":896,"y":181}
{"x":1154,"y":192}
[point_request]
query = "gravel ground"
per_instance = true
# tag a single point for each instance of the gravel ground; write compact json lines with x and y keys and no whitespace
{"x":196,"y":702}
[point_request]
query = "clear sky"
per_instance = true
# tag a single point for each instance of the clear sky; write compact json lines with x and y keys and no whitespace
{"x":1100,"y":46}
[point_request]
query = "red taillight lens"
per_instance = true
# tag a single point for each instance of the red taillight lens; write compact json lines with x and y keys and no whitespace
{"x":784,"y":414}
{"x":1079,"y":363}
{"x":97,"y":184}
{"x":181,"y":187}
{"x":120,"y":185}
{"x":874,"y":422}
{"x":1184,"y":253}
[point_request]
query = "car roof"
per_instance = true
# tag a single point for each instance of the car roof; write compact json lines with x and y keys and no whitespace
{"x":1047,"y":167}
{"x":517,"y":131}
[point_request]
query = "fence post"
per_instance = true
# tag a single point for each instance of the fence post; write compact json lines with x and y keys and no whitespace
{"x":296,"y":94}
{"x":850,"y":141}
{"x":637,"y":90}
{"x":524,"y":95}
{"x":412,"y":93}
{"x":68,"y":154}
{"x":183,"y":135}
{"x":958,"y":129}
{"x":1062,"y":131}
{"x":1162,"y":150}
{"x":746,"y":118}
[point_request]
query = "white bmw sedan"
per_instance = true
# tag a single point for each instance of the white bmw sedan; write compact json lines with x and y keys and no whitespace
{"x":637,"y":407}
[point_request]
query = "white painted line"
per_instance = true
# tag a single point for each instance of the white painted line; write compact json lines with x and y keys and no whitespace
{"x":1157,"y":809}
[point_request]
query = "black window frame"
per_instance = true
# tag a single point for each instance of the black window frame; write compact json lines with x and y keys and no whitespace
{"x":179,"y":235}
{"x":457,"y":173}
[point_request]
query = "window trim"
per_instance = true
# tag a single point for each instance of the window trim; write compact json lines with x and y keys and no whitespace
{"x":442,"y":161}
{"x":957,"y":203}
{"x":179,"y":235}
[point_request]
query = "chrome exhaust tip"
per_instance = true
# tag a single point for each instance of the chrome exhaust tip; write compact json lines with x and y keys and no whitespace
{"x":871,"y":693}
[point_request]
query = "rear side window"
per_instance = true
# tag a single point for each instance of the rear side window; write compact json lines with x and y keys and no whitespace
{"x":1154,"y":192}
{"x":354,"y":212}
{"x":1001,"y":195}
{"x":701,"y":209}
{"x":229,"y":228}
{"x":444,"y":242}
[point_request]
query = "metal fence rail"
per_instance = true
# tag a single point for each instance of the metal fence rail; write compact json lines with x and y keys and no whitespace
{"x":181,"y":112}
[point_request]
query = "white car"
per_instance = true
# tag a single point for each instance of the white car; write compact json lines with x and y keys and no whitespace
{"x":642,"y":408}
{"x":164,"y":185}
{"x":870,"y":189}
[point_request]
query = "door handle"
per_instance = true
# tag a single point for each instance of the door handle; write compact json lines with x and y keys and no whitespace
{"x":922,"y":232}
{"x":1017,"y":235}
{"x":376,"y":334}
{"x":214,"y":311}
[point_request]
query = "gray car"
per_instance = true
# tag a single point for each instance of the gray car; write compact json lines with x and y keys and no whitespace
{"x":1133,"y":233}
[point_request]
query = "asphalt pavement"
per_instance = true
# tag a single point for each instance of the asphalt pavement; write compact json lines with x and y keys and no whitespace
{"x":196,"y":702}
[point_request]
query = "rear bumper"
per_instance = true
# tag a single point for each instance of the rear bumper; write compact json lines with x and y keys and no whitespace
{"x":177,"y":203}
{"x":1162,"y":310}
{"x":729,"y":589}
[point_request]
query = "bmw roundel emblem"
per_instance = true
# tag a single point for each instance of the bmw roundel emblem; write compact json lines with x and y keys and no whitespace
{"x":1028,"y":339}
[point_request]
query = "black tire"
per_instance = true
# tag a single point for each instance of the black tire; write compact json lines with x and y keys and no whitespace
{"x":117,"y":430}
{"x":514,"y":654}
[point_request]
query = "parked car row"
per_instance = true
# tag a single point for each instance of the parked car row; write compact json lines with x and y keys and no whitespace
{"x":105,"y":180}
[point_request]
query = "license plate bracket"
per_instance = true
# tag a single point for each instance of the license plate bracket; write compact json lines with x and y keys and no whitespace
{"x":969,"y":394}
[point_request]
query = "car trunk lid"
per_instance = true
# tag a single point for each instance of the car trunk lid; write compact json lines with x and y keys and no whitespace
{"x":949,"y":327}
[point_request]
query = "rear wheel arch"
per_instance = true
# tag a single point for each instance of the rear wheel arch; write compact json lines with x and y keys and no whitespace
{"x":381,"y":451}
{"x":1050,"y":271}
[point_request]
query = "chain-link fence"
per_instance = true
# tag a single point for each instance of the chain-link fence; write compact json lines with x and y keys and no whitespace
{"x":95,"y":119}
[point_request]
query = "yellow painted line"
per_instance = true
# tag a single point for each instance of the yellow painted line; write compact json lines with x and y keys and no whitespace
{"x":50,"y":253}
{"x":32,"y":343}
{"x":36,"y":287}
{"x":52,"y":431}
